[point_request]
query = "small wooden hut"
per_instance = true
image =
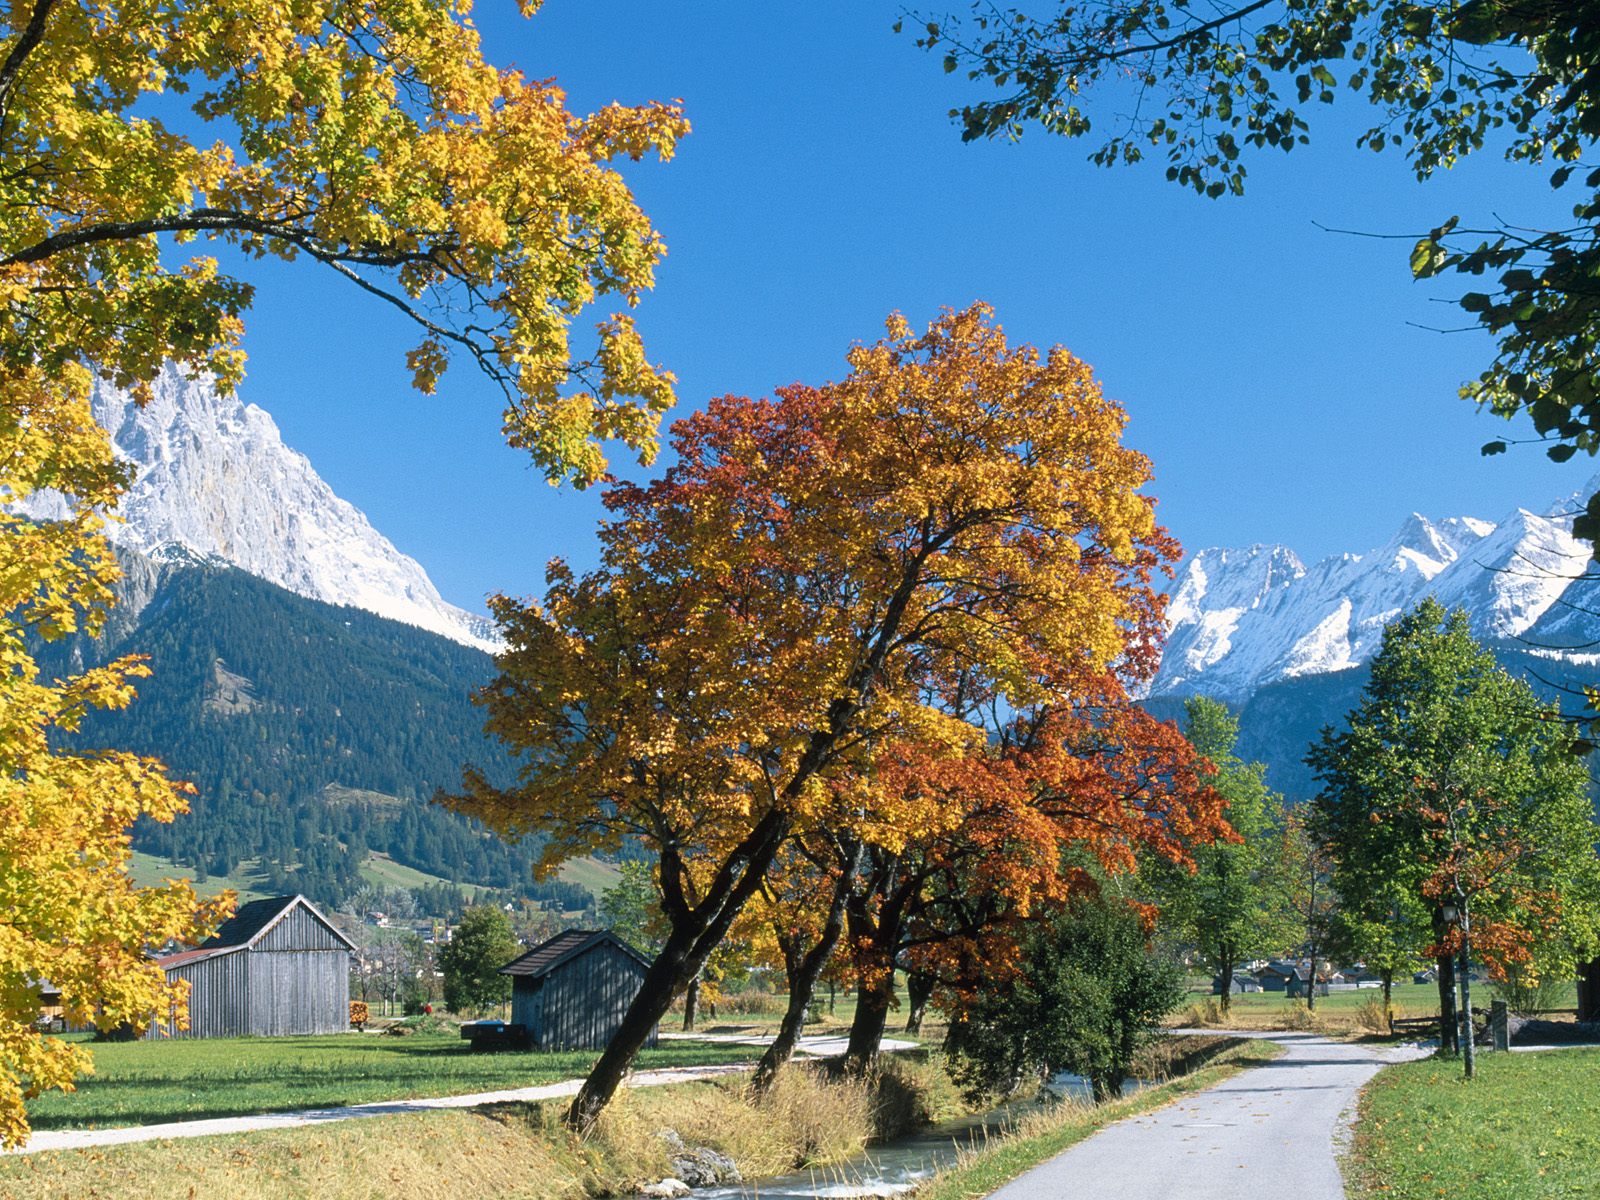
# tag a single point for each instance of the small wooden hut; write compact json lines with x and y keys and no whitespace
{"x":571,"y":992}
{"x":275,"y":967}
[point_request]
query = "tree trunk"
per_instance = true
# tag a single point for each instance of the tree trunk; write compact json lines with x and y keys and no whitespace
{"x":1448,"y":1041}
{"x":1469,"y":1045}
{"x":1387,"y":975}
{"x":691,"y":1001}
{"x":803,"y":976}
{"x":873,"y":1001}
{"x":1227,"y":984}
{"x":919,"y":990}
{"x":833,"y":995}
{"x":696,"y":933}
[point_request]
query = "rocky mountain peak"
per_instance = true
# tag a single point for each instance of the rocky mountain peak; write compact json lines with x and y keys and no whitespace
{"x":213,"y":478}
{"x":1234,"y":627}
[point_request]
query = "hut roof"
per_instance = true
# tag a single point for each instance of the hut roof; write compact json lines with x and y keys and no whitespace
{"x":249,"y":923}
{"x":563,"y":948}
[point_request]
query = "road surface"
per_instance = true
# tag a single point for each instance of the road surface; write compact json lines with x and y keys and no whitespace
{"x":1271,"y":1130}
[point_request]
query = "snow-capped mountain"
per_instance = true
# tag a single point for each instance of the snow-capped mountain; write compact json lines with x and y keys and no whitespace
{"x":1243,"y":618}
{"x":212,"y":477}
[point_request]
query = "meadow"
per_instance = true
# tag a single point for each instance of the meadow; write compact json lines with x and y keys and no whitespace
{"x":1528,"y":1128}
{"x":1354,"y":1013}
{"x":139,"y":1083}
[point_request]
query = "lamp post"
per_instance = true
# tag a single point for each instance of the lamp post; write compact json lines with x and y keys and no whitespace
{"x":1457,"y":911}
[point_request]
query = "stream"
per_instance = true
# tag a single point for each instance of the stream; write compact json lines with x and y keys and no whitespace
{"x":891,"y":1168}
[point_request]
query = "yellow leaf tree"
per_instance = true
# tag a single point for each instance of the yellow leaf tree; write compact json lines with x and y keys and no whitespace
{"x":72,"y":914}
{"x":818,"y":575}
{"x":368,"y":137}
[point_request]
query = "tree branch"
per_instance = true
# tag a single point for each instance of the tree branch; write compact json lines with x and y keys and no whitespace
{"x":32,"y":34}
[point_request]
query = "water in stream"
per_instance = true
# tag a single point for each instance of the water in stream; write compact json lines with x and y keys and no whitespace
{"x":894,"y":1167}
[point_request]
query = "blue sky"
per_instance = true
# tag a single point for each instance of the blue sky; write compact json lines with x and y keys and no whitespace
{"x":1272,"y":371}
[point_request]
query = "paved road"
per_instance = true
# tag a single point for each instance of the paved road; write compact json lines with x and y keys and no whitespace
{"x":81,"y":1139}
{"x":1269,"y":1130}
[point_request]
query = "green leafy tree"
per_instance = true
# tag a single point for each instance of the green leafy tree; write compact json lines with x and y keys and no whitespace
{"x":1215,"y":82}
{"x":1230,"y":906}
{"x":472,"y":958}
{"x":1092,"y":993}
{"x":1453,"y":788}
{"x":631,"y":908}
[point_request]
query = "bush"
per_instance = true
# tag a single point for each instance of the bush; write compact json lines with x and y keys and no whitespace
{"x":1092,"y":994}
{"x":1527,"y":993}
{"x":1372,"y":1015}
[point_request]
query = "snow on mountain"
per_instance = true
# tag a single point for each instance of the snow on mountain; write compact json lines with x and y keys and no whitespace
{"x":1234,"y":627}
{"x":213,"y":477}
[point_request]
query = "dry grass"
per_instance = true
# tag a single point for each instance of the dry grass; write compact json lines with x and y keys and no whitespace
{"x":513,"y":1150}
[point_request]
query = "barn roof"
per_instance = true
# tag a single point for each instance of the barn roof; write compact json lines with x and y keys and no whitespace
{"x":248,"y":925}
{"x":563,"y":948}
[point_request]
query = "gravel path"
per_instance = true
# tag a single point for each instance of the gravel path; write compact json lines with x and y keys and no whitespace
{"x":82,"y":1139}
{"x":1270,"y":1130}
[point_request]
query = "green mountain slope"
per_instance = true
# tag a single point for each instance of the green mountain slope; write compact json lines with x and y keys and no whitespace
{"x":313,"y":733}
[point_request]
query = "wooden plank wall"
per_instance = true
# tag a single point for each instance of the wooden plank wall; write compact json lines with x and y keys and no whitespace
{"x":219,"y":998}
{"x":265,"y":994}
{"x":299,"y":930}
{"x":582,"y":1002}
{"x":299,"y":991}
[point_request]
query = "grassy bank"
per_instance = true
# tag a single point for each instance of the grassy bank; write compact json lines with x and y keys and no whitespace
{"x":1527,"y":1127}
{"x":1043,"y":1135}
{"x":140,"y":1083}
{"x":518,"y":1150}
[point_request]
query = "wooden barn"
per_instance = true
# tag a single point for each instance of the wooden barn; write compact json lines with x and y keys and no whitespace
{"x":275,"y":967}
{"x":570,"y":993}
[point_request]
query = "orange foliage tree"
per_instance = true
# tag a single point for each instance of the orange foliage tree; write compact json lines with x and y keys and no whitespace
{"x":1091,"y":779}
{"x":817,"y":577}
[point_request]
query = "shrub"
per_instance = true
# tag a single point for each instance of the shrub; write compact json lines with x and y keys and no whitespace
{"x":1528,"y":993}
{"x":1372,"y":1015}
{"x":1092,"y":994}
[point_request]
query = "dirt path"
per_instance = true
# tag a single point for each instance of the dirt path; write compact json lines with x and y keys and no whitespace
{"x":1271,"y":1130}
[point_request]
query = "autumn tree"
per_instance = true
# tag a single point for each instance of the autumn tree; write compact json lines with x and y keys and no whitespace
{"x":803,"y":902}
{"x":803,"y":586}
{"x":1199,"y":88}
{"x":1229,"y":905}
{"x":1452,"y":782}
{"x":370,"y":138}
{"x":471,"y":960}
{"x":73,"y":915}
{"x":1054,"y":800}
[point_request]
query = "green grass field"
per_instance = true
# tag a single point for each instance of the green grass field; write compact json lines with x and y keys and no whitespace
{"x":148,"y":870}
{"x":1527,"y":1128}
{"x":138,"y":1083}
{"x":1346,"y":1012}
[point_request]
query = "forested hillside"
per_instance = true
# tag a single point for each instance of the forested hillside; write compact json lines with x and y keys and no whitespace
{"x":314,"y":733}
